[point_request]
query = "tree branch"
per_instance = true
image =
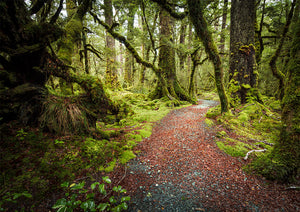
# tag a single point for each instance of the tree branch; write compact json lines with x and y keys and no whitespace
{"x":128,"y":45}
{"x":277,"y":73}
{"x":168,"y":7}
{"x":255,"y":150}
{"x":56,"y":15}
{"x":37,"y":6}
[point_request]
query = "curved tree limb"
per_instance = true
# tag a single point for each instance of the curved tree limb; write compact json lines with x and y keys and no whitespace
{"x":276,"y":72}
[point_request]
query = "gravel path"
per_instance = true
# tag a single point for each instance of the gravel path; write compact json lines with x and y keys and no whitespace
{"x":180,"y":168}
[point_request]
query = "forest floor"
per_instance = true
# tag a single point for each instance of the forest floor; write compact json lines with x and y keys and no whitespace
{"x":180,"y":168}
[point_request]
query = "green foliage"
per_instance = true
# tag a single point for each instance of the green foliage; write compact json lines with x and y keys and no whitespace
{"x":73,"y":199}
{"x":12,"y":198}
{"x":251,"y":123}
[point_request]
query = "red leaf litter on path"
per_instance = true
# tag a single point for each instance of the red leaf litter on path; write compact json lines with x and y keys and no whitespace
{"x":180,"y":168}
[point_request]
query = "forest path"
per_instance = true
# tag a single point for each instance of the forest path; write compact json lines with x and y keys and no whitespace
{"x":180,"y":168}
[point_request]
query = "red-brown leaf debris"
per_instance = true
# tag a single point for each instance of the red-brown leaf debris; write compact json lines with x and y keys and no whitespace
{"x":180,"y":168}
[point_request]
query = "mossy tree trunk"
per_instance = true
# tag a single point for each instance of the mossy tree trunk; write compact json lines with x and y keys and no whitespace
{"x":27,"y":65}
{"x":111,"y":76}
{"x":167,"y":62}
{"x":243,"y":73}
{"x":22,"y":51}
{"x":287,"y":150}
{"x":201,"y":27}
{"x":223,"y":27}
{"x":129,"y":60}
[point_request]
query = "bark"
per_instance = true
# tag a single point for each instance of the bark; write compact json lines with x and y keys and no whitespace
{"x":201,"y":27}
{"x":129,"y":60}
{"x":243,"y":73}
{"x":276,"y":72}
{"x":167,"y":61}
{"x":181,"y":53}
{"x":111,"y":76}
{"x":259,"y":44}
{"x":223,"y":27}
{"x":22,"y":84}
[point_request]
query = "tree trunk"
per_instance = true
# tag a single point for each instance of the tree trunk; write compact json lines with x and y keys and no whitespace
{"x":287,"y":150}
{"x":201,"y":27}
{"x":111,"y":77}
{"x":243,"y":73}
{"x":224,"y":19}
{"x":167,"y":63}
{"x":22,"y":82}
{"x":129,"y":60}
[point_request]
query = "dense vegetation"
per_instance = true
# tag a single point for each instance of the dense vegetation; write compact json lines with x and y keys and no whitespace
{"x":83,"y":81}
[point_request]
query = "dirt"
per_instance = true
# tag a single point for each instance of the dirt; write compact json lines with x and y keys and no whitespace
{"x":180,"y":168}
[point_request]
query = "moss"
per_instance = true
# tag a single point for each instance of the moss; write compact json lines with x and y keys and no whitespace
{"x":221,"y":134}
{"x":126,"y":156}
{"x":233,"y":147}
{"x":246,"y":86}
{"x":243,"y":117}
{"x":209,"y":122}
{"x":213,"y":112}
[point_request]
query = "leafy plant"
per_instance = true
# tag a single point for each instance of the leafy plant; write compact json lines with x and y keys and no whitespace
{"x":73,"y":197}
{"x":21,"y":134}
{"x":12,"y":198}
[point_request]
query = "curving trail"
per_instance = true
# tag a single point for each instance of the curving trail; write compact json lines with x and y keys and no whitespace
{"x":180,"y":168}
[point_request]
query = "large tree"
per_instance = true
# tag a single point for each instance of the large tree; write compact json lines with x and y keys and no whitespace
{"x":243,"y":73}
{"x":111,"y":75}
{"x":196,"y":12}
{"x":27,"y":59}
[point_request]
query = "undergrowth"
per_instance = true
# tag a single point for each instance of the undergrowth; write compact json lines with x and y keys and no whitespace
{"x":253,"y":126}
{"x":35,"y":163}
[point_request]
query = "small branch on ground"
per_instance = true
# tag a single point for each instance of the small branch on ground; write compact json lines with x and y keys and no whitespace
{"x":255,"y":150}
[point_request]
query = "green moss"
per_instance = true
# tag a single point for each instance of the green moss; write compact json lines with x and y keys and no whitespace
{"x":243,"y":117}
{"x":126,"y":156}
{"x":209,"y":122}
{"x":221,"y":134}
{"x":213,"y":112}
{"x":233,"y":147}
{"x":246,"y":86}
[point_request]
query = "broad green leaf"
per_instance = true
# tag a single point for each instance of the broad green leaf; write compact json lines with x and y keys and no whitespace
{"x":102,"y":189}
{"x":78,"y":186}
{"x":88,"y":205}
{"x":59,"y":203}
{"x":64,"y":184}
{"x":127,"y":198}
{"x":90,"y":196}
{"x":106,"y":179}
{"x":102,"y":206}
{"x":93,"y":186}
{"x":112,"y":199}
{"x":124,"y":205}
